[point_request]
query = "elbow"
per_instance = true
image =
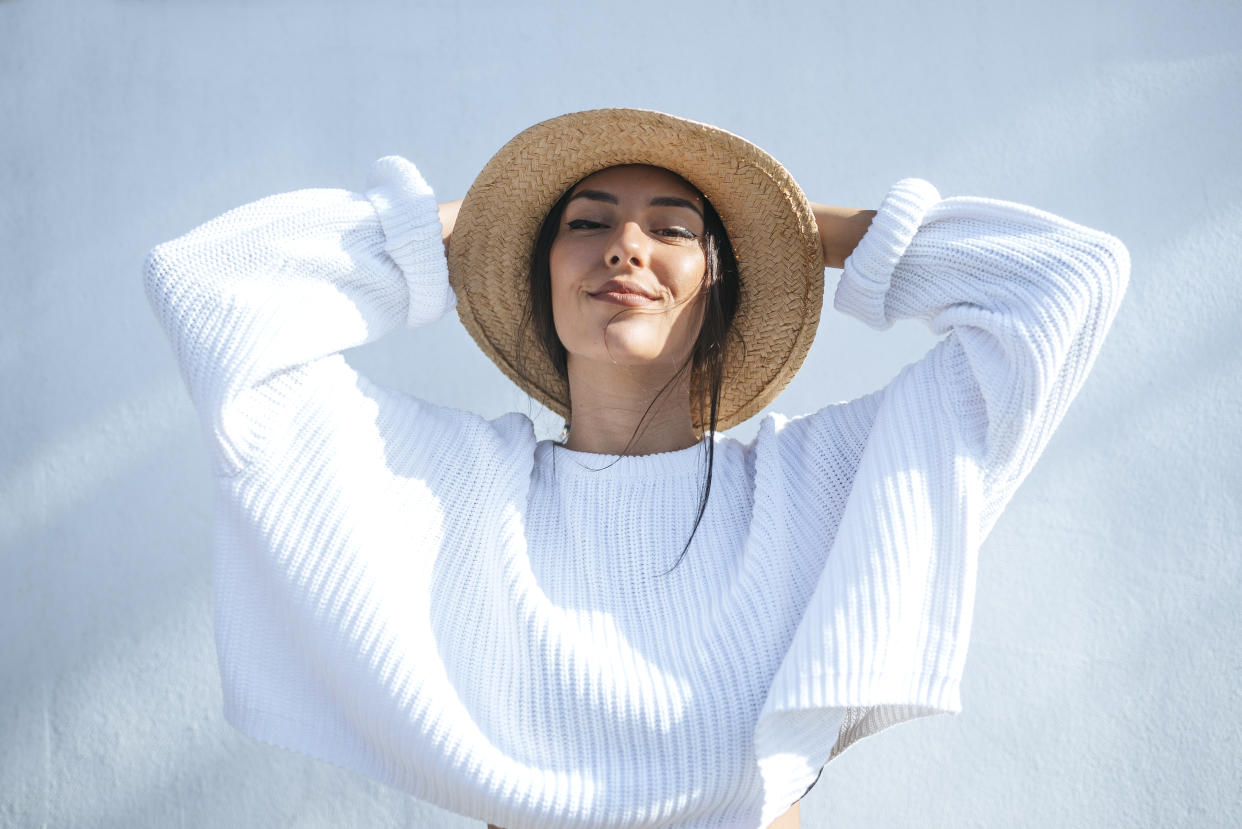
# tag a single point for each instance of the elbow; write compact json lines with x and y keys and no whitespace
{"x":1116,"y":259}
{"x":155,"y":274}
{"x":1095,"y":268}
{"x":1111,"y":272}
{"x":164,"y":274}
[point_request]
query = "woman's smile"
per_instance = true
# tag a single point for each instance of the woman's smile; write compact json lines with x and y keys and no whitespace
{"x":624,"y":298}
{"x":624,"y":294}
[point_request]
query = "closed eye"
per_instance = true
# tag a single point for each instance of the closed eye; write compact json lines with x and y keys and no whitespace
{"x":587,"y":224}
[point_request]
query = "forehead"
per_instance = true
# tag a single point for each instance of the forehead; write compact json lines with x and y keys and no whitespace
{"x":640,"y":178}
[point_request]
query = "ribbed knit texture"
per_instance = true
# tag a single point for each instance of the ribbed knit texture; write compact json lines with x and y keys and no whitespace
{"x":442,"y":603}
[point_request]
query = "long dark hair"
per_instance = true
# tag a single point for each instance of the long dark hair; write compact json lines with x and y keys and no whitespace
{"x":707,"y":358}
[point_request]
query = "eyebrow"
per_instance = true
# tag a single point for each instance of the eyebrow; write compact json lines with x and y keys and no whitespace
{"x":658,"y":201}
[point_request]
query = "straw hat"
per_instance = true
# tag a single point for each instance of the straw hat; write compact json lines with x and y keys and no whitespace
{"x":768,"y":219}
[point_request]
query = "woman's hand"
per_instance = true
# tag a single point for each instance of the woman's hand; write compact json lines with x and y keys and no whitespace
{"x":840,"y":231}
{"x":448,"y":219}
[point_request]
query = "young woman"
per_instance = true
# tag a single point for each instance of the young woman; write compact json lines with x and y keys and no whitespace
{"x":646,"y":623}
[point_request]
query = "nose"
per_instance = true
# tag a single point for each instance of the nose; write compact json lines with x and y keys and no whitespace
{"x":628,"y":244}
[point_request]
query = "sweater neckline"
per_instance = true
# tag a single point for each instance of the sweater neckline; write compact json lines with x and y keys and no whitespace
{"x":550,"y":455}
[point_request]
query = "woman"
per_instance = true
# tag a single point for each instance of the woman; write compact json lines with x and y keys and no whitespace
{"x":647,"y":624}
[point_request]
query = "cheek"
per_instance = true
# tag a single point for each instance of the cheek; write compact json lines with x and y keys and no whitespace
{"x":561,"y":267}
{"x":692,"y":304}
{"x":692,"y":281}
{"x":561,"y":290}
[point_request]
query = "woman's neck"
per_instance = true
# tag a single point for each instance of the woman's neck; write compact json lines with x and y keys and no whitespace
{"x":607,"y":402}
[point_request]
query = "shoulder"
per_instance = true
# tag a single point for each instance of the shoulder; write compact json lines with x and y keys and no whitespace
{"x":433,"y":441}
{"x":843,"y":427}
{"x":793,"y":457}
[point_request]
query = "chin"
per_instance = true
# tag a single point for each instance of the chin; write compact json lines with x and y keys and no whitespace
{"x":621,"y":352}
{"x":628,"y":345}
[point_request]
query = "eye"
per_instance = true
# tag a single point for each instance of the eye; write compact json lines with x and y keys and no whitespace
{"x":680,"y":232}
{"x":583,"y":224}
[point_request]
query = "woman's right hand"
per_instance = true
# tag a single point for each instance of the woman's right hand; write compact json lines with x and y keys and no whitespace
{"x":448,"y":219}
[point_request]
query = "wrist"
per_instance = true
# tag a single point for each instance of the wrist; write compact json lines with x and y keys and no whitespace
{"x":448,"y":219}
{"x":840,"y":231}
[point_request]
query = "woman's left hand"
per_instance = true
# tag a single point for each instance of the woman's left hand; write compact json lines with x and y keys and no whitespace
{"x":840,"y":231}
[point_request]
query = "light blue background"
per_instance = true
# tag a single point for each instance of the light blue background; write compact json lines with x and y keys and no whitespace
{"x":1102,"y":687}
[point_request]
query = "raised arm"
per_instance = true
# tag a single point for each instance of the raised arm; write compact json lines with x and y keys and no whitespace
{"x":259,"y":301}
{"x":1026,"y":297}
{"x":887,"y":499}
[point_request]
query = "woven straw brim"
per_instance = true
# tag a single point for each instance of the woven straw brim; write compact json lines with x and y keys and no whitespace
{"x":768,"y":219}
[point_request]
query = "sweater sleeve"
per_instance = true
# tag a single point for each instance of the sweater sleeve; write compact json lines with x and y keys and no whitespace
{"x":1025,"y":297}
{"x":338,"y":502}
{"x":888,"y":498}
{"x":259,"y":302}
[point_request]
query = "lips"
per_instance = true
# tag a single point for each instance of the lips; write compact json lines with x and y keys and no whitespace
{"x":624,"y":293}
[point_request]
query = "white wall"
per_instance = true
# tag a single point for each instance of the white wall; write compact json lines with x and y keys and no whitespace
{"x":1102,"y":687}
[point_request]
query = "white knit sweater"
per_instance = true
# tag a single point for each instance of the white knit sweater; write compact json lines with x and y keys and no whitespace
{"x":446,"y":605}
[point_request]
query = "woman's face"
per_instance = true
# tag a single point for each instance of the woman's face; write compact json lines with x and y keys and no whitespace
{"x":627,"y":267}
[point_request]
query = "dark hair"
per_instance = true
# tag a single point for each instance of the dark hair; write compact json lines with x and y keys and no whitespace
{"x":707,"y":358}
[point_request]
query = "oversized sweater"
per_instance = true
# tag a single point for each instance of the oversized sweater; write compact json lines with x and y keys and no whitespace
{"x":445,"y":604}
